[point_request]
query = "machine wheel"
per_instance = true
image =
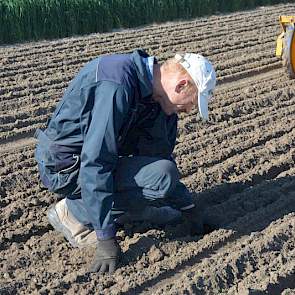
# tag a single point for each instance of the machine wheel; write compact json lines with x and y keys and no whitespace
{"x":289,"y":51}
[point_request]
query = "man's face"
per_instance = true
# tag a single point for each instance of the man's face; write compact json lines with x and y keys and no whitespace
{"x":180,"y":98}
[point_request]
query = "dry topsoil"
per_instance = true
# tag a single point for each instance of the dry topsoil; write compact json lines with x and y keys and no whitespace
{"x":239,"y":167}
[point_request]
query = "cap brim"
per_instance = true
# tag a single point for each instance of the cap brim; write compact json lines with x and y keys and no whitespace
{"x":203,"y":106}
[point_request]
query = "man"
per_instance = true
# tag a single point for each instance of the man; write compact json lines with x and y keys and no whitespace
{"x":107,"y":150}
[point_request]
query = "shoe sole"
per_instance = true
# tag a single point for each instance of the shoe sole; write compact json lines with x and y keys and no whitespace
{"x":58,"y":226}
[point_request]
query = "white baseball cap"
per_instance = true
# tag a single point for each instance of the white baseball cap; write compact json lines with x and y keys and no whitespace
{"x":204,"y":76}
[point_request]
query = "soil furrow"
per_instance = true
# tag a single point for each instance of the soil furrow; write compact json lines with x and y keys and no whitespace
{"x":239,"y":167}
{"x":203,"y":23}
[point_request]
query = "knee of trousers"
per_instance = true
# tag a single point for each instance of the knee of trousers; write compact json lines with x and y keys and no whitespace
{"x":167,"y":176}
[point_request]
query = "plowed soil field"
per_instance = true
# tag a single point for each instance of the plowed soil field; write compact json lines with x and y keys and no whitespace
{"x":239,"y":167}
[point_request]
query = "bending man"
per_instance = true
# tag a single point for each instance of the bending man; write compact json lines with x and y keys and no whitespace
{"x":107,"y":150}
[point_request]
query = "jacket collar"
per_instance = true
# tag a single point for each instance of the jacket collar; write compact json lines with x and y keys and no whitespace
{"x":145,"y":85}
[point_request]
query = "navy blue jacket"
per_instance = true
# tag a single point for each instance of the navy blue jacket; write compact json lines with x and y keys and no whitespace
{"x":106,"y":112}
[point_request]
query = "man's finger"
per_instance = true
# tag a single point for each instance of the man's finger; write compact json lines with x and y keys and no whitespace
{"x":103,"y":268}
{"x":112,"y":267}
{"x":95,"y":266}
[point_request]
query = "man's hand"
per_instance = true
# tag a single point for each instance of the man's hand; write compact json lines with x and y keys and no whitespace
{"x":194,"y":219}
{"x":107,"y":256}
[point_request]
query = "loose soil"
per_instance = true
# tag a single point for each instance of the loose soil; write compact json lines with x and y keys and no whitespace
{"x":239,"y":167}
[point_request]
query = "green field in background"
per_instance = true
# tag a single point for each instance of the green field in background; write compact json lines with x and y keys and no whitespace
{"x":22,"y":20}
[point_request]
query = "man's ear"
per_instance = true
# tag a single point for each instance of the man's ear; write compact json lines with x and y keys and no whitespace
{"x":181,"y":84}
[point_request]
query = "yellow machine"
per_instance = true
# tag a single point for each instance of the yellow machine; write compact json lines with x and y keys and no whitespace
{"x":286,"y":44}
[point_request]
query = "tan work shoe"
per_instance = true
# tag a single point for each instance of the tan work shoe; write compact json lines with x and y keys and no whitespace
{"x":64,"y":222}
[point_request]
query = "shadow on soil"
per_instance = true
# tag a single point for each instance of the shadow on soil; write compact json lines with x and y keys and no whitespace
{"x":224,"y":205}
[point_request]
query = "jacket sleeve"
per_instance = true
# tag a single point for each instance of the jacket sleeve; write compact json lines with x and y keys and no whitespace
{"x":100,"y":154}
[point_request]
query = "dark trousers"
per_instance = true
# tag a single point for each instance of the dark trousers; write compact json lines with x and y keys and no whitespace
{"x":140,"y":181}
